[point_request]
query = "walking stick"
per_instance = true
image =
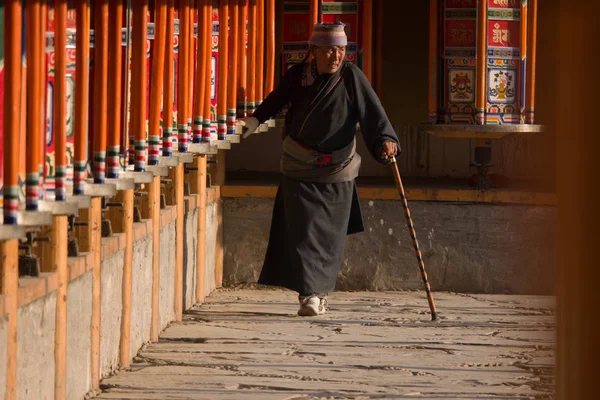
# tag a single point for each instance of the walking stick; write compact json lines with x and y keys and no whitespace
{"x":413,"y":235}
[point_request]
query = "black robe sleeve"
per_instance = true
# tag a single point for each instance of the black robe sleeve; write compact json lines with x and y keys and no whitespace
{"x":279,"y":97}
{"x":374,"y":124}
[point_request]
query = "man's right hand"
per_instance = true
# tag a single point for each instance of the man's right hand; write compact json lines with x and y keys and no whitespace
{"x":249,"y":126}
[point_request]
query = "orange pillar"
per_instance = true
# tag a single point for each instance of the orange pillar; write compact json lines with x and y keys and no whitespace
{"x":183,"y":74}
{"x":233,"y":66}
{"x":34,"y":104}
{"x":531,"y":61}
{"x":379,"y":50}
{"x":100,"y":88}
{"x":81,"y":95}
{"x":242,"y":58}
{"x":138,"y":81}
{"x":60,"y":98}
{"x":12,"y":108}
{"x":480,"y":98}
{"x":201,"y":64}
{"x":156,"y":80}
{"x":521,"y":100}
{"x":208,"y":43}
{"x":191,"y":70}
{"x":433,"y":61}
{"x":168,"y":83}
{"x":251,"y":74}
{"x":113,"y":147}
{"x":223,"y":63}
{"x":270,"y":53}
{"x":368,"y":39}
{"x":260,"y":52}
{"x":313,"y":15}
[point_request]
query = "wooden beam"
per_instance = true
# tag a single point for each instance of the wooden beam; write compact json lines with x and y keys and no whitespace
{"x":201,"y":247}
{"x":127,"y":225}
{"x":180,"y":245}
{"x":480,"y":95}
{"x":9,"y":254}
{"x":154,"y":203}
{"x":414,"y":194}
{"x":60,"y":255}
{"x":95,"y":228}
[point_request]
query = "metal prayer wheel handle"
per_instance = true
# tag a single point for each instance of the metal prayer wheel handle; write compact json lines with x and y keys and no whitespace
{"x":413,"y":235}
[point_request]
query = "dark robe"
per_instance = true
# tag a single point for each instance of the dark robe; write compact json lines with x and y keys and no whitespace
{"x":310,"y":218}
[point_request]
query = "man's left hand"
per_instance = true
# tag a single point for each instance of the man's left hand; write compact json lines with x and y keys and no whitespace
{"x":389,"y":149}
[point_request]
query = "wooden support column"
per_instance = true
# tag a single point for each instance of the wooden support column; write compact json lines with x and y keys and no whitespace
{"x":531,"y":63}
{"x":379,"y":50}
{"x":270,"y":51}
{"x":223,"y":68}
{"x":127,"y":227}
{"x":168,"y":83}
{"x":60,"y":232}
{"x":434,"y":61}
{"x":251,"y":60}
{"x":578,"y":182}
{"x":81,"y":98}
{"x":157,"y":81}
{"x":480,"y":97}
{"x":313,"y":15}
{"x":201,"y":247}
{"x":368,"y":39}
{"x":95,"y":243}
{"x":233,"y":66}
{"x":260,"y":52}
{"x":9,"y":254}
{"x":154,"y":205}
{"x":180,"y":241}
{"x":100,"y":88}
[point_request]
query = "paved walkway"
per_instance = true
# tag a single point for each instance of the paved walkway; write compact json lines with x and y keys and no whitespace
{"x":249,"y":344}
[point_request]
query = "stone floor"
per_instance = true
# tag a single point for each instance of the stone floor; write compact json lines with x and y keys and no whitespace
{"x":249,"y":344}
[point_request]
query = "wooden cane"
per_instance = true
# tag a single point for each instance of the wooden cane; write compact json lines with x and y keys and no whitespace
{"x":413,"y":235}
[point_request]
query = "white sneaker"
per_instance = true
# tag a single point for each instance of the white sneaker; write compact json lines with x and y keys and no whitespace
{"x":322,"y":305}
{"x":309,"y":306}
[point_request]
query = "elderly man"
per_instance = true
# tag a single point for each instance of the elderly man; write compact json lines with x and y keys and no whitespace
{"x":317,"y":204}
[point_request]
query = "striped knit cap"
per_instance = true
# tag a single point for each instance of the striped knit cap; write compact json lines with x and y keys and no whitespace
{"x":328,"y":34}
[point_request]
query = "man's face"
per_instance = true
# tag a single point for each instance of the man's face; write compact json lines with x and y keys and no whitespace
{"x":329,"y":58}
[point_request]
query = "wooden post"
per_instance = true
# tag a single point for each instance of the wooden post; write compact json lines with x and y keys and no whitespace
{"x":156,"y":86}
{"x":182,"y":83}
{"x":154,"y":203}
{"x":242,"y":59}
{"x":81,"y":96}
{"x":201,"y":68}
{"x":191,"y":71}
{"x":179,"y":204}
{"x":12,"y":109}
{"x":233,"y":66}
{"x":219,"y":247}
{"x":522,"y":96}
{"x":127,"y":225}
{"x":379,"y":50}
{"x":577,"y":143}
{"x":251,"y":74}
{"x":260,"y":52}
{"x":433,"y":61}
{"x":34,"y":104}
{"x":113,"y":147}
{"x":270,"y":61}
{"x":206,"y":111}
{"x":60,"y":99}
{"x":84,"y":233}
{"x":9,"y":254}
{"x":100,"y":88}
{"x":368,"y":39}
{"x":223,"y":68}
{"x":117,"y":214}
{"x":95,"y":229}
{"x":201,"y":247}
{"x":138,"y":82}
{"x":59,"y":239}
{"x":531,"y":63}
{"x":313,"y":15}
{"x":480,"y":97}
{"x":168,"y":83}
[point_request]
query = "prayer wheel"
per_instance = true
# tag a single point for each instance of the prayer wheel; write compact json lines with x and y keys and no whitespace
{"x":482,"y":59}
